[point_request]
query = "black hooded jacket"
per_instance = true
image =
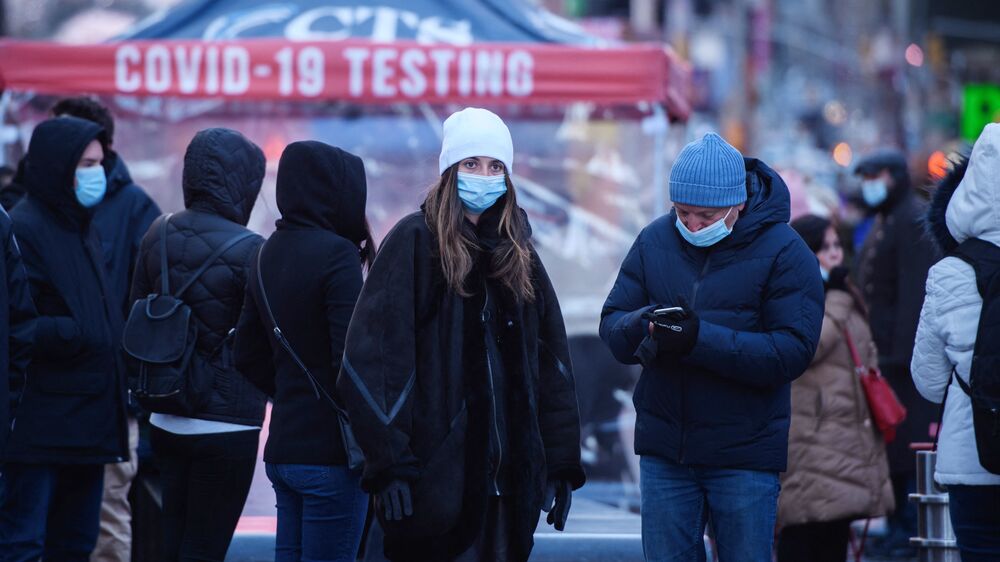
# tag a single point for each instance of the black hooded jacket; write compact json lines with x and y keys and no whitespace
{"x":223,"y":172}
{"x":312,"y":275}
{"x":72,"y":409}
{"x":17,"y":328}
{"x":415,"y":381}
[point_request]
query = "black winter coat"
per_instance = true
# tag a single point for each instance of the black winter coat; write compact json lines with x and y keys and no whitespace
{"x":416,"y":384}
{"x":312,"y":276}
{"x":17,"y":328}
{"x":759,"y":298}
{"x":73,"y":406}
{"x":122,"y":219}
{"x":892,"y":274}
{"x":223,"y":172}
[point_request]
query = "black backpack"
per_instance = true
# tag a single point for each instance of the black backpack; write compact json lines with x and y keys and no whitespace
{"x":167,"y":375}
{"x":983,"y":387}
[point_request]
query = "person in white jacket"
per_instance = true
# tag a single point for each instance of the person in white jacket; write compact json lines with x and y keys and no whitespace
{"x":946,"y":338}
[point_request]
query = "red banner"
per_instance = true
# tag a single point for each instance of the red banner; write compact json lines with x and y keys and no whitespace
{"x":355,"y":71}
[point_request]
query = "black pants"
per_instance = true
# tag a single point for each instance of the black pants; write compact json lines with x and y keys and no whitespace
{"x":206,"y":479}
{"x":815,"y":542}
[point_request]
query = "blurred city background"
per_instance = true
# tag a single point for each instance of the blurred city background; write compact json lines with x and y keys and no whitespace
{"x":805,"y":85}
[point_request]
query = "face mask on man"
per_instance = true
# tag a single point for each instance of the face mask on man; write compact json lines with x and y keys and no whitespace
{"x":91,"y":185}
{"x":479,"y":193}
{"x":708,"y":236}
{"x":874,"y":192}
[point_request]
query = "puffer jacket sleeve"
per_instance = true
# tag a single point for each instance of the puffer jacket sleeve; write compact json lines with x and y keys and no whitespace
{"x":378,"y":374}
{"x":622,"y":326}
{"x":792,"y":317}
{"x":559,"y":413}
{"x":952,"y":296}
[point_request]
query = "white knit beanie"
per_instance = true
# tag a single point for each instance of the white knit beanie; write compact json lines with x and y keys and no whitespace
{"x":475,"y":132}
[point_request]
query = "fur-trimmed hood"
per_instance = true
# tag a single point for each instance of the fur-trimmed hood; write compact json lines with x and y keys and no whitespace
{"x":934,"y":222}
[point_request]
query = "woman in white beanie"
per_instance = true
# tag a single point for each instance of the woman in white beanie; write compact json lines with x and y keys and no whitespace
{"x":456,"y":372}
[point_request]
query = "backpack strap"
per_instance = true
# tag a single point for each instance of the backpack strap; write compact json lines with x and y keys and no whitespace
{"x":280,"y":336}
{"x":984,"y":258}
{"x":164,"y":270}
{"x":211,"y":259}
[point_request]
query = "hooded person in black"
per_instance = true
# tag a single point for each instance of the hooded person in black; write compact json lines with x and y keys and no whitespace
{"x":456,"y":371}
{"x":17,"y":330}
{"x":122,"y":218}
{"x":207,"y":459}
{"x":892,"y":274}
{"x":71,"y":419}
{"x":310,"y":269}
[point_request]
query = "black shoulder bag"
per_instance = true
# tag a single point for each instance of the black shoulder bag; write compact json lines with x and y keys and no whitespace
{"x":355,"y":457}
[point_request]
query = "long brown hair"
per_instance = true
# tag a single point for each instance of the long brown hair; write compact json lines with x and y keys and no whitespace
{"x":510,"y":261}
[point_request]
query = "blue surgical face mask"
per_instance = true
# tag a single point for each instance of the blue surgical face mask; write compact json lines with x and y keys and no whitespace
{"x":874,"y":192}
{"x":479,"y":193}
{"x":824,"y":273}
{"x":708,"y":236}
{"x":91,"y":185}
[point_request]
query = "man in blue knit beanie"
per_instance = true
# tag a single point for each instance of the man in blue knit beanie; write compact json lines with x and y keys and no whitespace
{"x":722,"y":303}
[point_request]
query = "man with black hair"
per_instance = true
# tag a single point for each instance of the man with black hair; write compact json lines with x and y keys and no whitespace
{"x":121,"y":220}
{"x":892,"y":272}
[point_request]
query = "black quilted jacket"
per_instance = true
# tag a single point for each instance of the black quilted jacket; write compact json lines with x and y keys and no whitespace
{"x":223,"y":172}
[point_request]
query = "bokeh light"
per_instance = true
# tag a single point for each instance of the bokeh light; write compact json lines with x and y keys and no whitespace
{"x":842,"y":154}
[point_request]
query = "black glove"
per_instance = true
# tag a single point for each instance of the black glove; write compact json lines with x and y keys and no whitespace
{"x":396,"y":500}
{"x":838,"y":278}
{"x":675,"y":333}
{"x":561,"y":491}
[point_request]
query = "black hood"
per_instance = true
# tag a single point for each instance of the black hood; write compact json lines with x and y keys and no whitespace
{"x":934,"y":222}
{"x":322,"y":187}
{"x":53,"y":155}
{"x":117,"y":172}
{"x":223,"y":172}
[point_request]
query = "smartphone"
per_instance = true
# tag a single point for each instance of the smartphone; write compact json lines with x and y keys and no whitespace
{"x":670,"y":310}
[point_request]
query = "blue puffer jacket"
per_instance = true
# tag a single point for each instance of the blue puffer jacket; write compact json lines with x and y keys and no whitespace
{"x":759,"y":297}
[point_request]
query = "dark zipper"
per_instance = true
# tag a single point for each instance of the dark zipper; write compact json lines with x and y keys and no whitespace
{"x":694,"y":296}
{"x":489,"y":368}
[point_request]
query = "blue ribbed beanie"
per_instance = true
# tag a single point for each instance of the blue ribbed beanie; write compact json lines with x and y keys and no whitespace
{"x":709,"y":173}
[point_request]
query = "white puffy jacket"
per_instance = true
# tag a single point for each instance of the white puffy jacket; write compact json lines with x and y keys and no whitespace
{"x":946,"y":335}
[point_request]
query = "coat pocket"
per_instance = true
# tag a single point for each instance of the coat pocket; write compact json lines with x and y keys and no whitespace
{"x":438,"y":493}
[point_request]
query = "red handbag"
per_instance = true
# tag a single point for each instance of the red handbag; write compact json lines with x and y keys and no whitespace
{"x":886,"y":409}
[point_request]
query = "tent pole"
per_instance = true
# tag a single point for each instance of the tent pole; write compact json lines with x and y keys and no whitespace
{"x":660,"y":129}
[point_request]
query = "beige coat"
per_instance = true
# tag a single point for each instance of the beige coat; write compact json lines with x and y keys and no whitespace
{"x":837,"y":466}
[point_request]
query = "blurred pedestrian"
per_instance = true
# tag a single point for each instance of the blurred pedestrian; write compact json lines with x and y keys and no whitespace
{"x":837,"y":465}
{"x":17,"y":332}
{"x":891,"y":272}
{"x":72,"y":416}
{"x":12,"y":187}
{"x":206,"y":458}
{"x":309,"y":280}
{"x":456,"y":373}
{"x":949,"y":355}
{"x":713,"y":399}
{"x":121,"y":218}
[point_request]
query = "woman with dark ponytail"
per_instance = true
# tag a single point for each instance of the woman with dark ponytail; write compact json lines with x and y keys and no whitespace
{"x":305,"y":282}
{"x":456,"y":373}
{"x":837,"y":465}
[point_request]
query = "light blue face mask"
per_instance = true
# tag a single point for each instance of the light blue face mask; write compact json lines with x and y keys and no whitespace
{"x":874,"y":192}
{"x":91,"y":185}
{"x":479,"y":193}
{"x":824,"y":274}
{"x":708,"y":236}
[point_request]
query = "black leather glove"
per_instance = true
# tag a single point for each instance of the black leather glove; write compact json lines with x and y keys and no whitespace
{"x":558,"y":498}
{"x":675,"y":333}
{"x":396,"y":500}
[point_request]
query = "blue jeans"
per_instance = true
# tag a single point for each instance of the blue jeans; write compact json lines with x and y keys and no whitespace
{"x":677,"y":501}
{"x":50,"y":511}
{"x":321,"y":512}
{"x":976,"y":520}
